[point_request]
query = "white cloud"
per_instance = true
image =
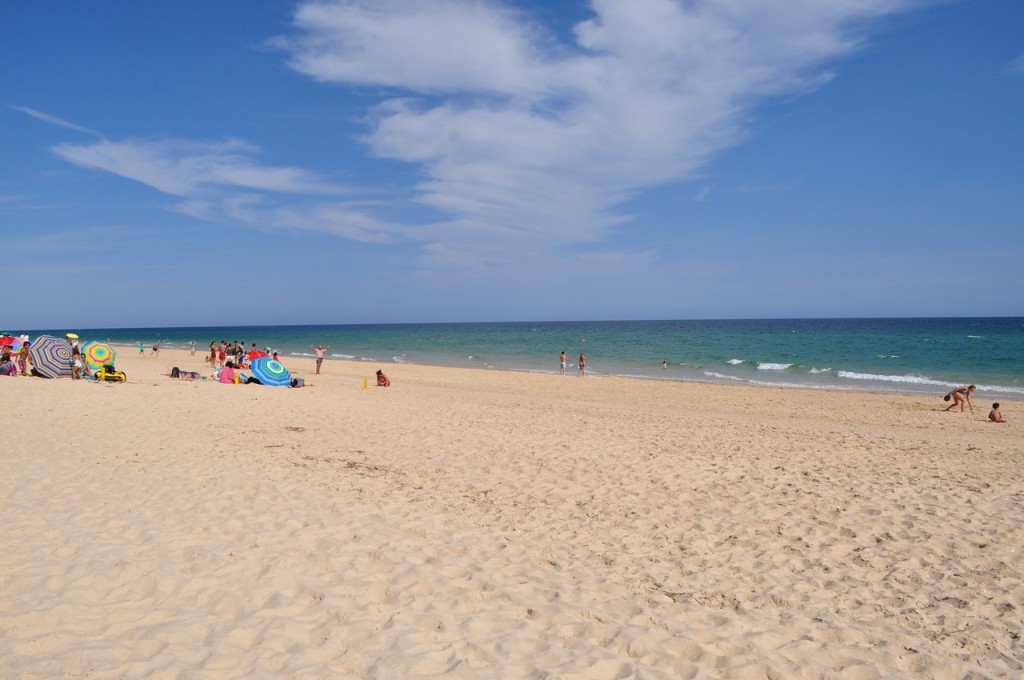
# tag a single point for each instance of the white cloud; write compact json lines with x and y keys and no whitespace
{"x":187,"y":168}
{"x":1015,"y":67}
{"x":526,"y":142}
{"x":220,"y":181}
{"x":522,"y":136}
{"x":53,"y":120}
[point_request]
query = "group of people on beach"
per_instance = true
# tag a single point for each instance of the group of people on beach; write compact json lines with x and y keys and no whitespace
{"x":234,"y":352}
{"x":19,"y":362}
{"x":15,"y":362}
{"x":962,"y":396}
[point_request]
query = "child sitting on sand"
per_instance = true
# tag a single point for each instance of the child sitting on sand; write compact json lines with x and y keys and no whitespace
{"x":382,"y":380}
{"x":995,"y":415}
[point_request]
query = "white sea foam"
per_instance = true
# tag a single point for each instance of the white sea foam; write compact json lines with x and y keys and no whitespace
{"x":977,"y":337}
{"x":888,"y":356}
{"x":734,"y":362}
{"x":766,"y":366}
{"x":722,"y":376}
{"x":820,"y":370}
{"x":347,"y":357}
{"x":909,"y":379}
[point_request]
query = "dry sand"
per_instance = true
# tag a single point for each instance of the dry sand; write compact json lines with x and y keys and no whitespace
{"x":477,"y":524}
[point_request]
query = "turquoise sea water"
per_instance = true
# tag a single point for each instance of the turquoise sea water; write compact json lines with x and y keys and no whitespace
{"x":901,"y":355}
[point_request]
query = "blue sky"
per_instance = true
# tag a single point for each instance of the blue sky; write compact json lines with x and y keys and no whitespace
{"x":242,"y":162}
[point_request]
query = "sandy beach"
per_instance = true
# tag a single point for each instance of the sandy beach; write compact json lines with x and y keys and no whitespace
{"x":485,"y":524}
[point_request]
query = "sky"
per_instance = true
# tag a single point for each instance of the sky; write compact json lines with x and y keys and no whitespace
{"x":248,"y":162}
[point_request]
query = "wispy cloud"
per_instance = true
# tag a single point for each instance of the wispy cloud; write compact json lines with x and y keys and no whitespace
{"x":189,"y":168}
{"x":1015,"y":67}
{"x":222,"y":181}
{"x":54,"y":120}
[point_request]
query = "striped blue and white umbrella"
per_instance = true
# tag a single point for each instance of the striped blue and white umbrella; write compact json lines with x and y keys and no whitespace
{"x":270,"y":372}
{"x":51,"y":356}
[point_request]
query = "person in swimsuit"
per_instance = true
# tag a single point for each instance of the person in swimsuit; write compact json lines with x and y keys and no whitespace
{"x":319,"y":349}
{"x":995,"y":415}
{"x":24,"y":358}
{"x":583,"y":363}
{"x":382,"y":380}
{"x":561,"y":363}
{"x":962,"y":395}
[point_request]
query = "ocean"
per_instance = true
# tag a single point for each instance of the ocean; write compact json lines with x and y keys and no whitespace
{"x":897,"y":355}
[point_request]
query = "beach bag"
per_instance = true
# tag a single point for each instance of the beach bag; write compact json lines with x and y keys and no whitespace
{"x":175,"y":373}
{"x":298,"y":382}
{"x":946,"y":398}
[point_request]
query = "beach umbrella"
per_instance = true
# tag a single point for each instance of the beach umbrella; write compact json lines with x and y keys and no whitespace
{"x":51,"y":357}
{"x":255,"y":354}
{"x":71,"y":336}
{"x":8,"y":341}
{"x":270,"y":372}
{"x":98,"y":354}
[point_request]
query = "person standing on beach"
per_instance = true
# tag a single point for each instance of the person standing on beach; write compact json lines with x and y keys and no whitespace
{"x":24,"y":357}
{"x":142,"y":350}
{"x":561,"y":363}
{"x":583,"y":364}
{"x":192,"y":348}
{"x":319,"y":349}
{"x":961,"y":395}
{"x":156,"y":348}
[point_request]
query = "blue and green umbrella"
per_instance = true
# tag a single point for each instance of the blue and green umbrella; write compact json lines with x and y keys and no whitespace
{"x":270,"y":372}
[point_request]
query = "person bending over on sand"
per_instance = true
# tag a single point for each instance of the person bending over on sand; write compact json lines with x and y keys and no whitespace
{"x":961,"y":395}
{"x":382,"y":380}
{"x":995,"y":415}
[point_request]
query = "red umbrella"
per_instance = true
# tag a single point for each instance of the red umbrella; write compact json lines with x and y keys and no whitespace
{"x":8,"y":340}
{"x":255,"y":354}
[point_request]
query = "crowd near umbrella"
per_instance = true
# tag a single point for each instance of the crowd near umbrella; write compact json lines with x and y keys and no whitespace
{"x":270,"y":372}
{"x":51,"y":357}
{"x":98,"y":354}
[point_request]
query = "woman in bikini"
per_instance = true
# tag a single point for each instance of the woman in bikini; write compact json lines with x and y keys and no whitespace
{"x":961,"y":395}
